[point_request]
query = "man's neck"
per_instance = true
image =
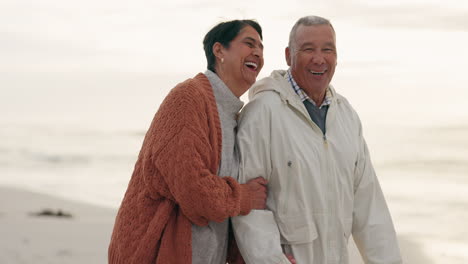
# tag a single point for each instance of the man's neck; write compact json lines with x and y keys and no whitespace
{"x":317,"y":97}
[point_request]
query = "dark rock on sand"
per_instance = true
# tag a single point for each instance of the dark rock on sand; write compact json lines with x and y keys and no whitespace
{"x":52,"y":213}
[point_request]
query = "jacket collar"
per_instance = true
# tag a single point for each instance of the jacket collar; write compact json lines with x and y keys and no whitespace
{"x":278,"y":82}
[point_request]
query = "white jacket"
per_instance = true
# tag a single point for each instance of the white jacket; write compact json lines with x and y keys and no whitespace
{"x":321,"y":188}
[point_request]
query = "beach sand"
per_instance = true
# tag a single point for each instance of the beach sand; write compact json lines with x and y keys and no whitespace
{"x":84,"y":237}
{"x":24,"y":238}
{"x":411,"y":252}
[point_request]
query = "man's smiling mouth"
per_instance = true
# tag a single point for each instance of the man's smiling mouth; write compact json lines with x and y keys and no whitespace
{"x":318,"y":73}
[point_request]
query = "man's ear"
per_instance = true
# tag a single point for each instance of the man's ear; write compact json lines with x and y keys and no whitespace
{"x":287,"y":53}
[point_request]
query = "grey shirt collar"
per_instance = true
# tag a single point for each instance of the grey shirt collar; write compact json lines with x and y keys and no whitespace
{"x":224,"y":96}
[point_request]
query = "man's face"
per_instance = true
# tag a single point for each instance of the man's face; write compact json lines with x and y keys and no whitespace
{"x":312,"y":57}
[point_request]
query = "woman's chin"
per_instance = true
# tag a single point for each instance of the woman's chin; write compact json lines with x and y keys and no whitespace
{"x":250,"y":81}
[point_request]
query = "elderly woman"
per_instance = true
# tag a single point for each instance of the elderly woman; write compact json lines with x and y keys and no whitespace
{"x":184,"y":186}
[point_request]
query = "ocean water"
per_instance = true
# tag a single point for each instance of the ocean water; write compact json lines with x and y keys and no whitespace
{"x":424,"y":174}
{"x":77,"y":136}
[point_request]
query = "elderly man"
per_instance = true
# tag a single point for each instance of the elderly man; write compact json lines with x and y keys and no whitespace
{"x":307,"y":141}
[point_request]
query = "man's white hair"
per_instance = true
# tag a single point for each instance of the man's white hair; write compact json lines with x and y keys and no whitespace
{"x":307,"y":21}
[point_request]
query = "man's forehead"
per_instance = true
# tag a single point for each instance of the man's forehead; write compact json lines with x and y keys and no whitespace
{"x":304,"y":32}
{"x":325,"y":27}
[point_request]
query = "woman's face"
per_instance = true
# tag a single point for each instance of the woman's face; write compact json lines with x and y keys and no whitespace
{"x":242,"y":61}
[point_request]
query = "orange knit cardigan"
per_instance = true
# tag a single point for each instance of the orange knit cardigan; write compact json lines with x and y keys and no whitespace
{"x":175,"y":182}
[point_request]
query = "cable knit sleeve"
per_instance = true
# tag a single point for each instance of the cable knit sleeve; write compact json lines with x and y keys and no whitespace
{"x":202,"y":195}
{"x":181,"y":153}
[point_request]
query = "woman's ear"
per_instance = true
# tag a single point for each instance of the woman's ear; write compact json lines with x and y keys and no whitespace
{"x":218,"y":50}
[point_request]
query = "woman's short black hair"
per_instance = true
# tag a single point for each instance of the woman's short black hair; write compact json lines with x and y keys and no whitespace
{"x":224,"y":33}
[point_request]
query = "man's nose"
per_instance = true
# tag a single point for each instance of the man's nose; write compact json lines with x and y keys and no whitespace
{"x":318,"y":58}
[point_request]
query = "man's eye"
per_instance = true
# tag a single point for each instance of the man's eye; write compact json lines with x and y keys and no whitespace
{"x":251,"y":45}
{"x":328,"y":50}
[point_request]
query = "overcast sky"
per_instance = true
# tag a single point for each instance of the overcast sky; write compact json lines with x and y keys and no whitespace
{"x":165,"y":36}
{"x":410,"y":51}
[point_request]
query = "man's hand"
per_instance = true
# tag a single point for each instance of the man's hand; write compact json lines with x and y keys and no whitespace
{"x":258,"y":190}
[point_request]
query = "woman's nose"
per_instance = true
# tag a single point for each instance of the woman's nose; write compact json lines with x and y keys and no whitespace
{"x":258,"y":52}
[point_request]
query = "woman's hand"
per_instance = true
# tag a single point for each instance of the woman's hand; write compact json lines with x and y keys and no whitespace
{"x":291,"y":258}
{"x":258,"y":190}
